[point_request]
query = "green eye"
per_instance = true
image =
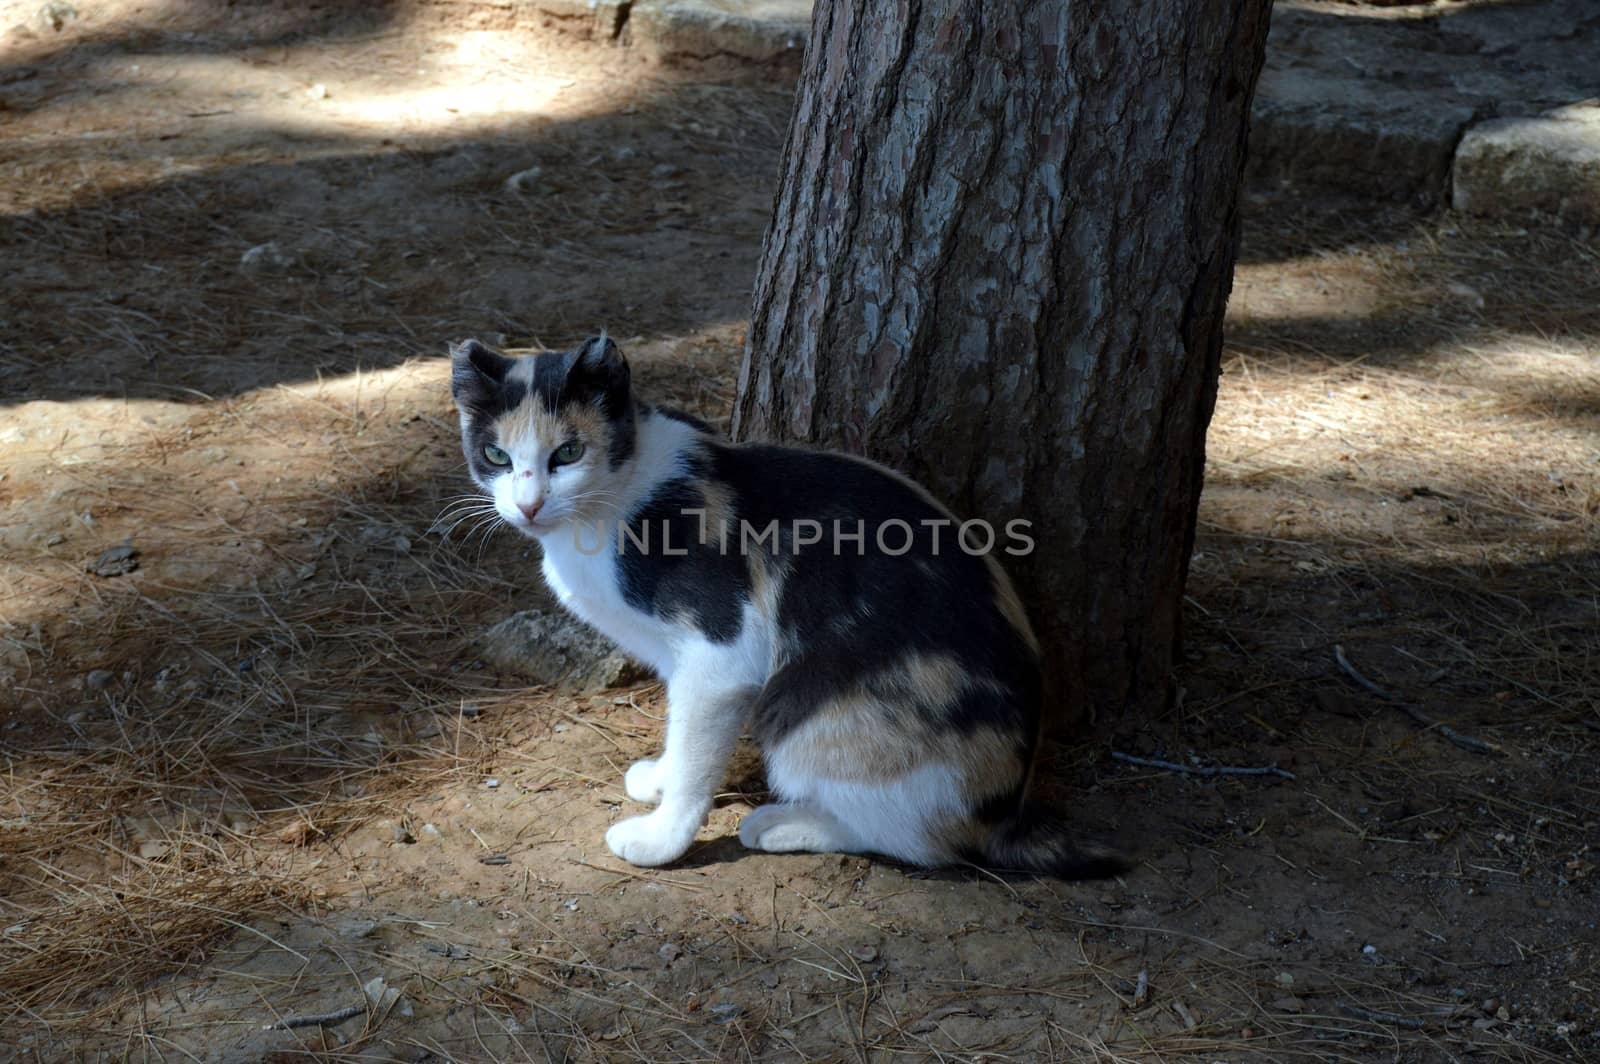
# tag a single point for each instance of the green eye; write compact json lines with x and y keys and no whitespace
{"x":495,"y":455}
{"x":567,"y":453}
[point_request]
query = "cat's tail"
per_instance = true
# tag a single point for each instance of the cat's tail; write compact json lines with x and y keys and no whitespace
{"x":1035,"y":838}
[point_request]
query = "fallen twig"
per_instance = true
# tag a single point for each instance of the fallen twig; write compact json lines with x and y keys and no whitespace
{"x":1204,"y":770}
{"x":1466,"y":742}
{"x":321,"y":1019}
{"x":1409,"y":1022}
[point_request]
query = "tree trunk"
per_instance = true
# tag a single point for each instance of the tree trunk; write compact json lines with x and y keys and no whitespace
{"x":998,"y":262}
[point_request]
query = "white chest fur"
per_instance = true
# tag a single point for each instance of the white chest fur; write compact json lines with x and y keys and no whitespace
{"x":585,"y":582}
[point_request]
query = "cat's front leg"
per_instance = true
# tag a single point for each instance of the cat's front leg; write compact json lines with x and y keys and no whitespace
{"x":704,"y":714}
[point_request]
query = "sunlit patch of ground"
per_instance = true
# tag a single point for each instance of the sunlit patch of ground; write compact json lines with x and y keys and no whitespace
{"x":250,"y":775}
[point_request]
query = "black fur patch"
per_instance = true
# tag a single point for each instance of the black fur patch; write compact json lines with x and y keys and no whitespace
{"x":846,"y":616}
{"x":702,"y":583}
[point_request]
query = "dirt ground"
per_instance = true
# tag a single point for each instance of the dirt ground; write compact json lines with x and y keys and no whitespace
{"x":253,"y":761}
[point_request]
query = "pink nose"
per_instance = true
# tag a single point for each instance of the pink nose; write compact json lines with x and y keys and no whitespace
{"x":530,"y":512}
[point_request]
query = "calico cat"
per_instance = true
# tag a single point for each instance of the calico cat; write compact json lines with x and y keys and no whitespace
{"x":886,"y":670}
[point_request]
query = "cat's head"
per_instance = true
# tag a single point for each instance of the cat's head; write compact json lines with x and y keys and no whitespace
{"x":546,"y":436}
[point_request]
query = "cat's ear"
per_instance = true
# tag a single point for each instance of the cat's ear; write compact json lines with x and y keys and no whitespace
{"x":474,"y":368}
{"x":599,"y":363}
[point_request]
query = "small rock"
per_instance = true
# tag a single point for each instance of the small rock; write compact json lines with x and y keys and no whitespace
{"x":355,"y":927}
{"x":491,"y":783}
{"x":318,"y":91}
{"x":153,"y":850}
{"x":768,"y":979}
{"x":524,"y":180}
{"x":864,"y":954}
{"x":1503,"y":1014}
{"x":665,"y":170}
{"x":1466,"y":293}
{"x":1285,"y":979}
{"x":379,"y":994}
{"x":265,"y":258}
{"x":494,"y":859}
{"x":402,"y":834}
{"x":117,"y":561}
{"x":99,"y":679}
{"x":670,"y":952}
{"x":622,"y":154}
{"x":726,"y":1012}
{"x":1288,"y":1004}
{"x":431,"y":831}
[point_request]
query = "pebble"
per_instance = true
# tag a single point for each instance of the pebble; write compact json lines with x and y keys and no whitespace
{"x":117,"y":561}
{"x":524,"y":180}
{"x":1466,"y":293}
{"x":356,"y":927}
{"x":431,"y":831}
{"x":670,"y":952}
{"x":491,"y":783}
{"x":100,"y":679}
{"x":265,"y":258}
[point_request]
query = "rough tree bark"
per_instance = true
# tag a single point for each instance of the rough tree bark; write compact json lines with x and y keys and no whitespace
{"x":999,"y":259}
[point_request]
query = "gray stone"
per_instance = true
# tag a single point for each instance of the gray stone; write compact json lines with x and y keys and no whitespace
{"x":549,"y":647}
{"x":355,"y":927}
{"x":265,"y":258}
{"x":766,"y":33}
{"x":1549,"y":162}
{"x":1375,"y":102}
{"x":524,"y":180}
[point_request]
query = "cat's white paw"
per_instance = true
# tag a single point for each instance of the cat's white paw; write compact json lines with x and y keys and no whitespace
{"x":643,"y":780}
{"x":779,"y":827}
{"x":652,"y":839}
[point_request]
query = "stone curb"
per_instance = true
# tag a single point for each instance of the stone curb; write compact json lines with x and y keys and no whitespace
{"x":1459,"y":106}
